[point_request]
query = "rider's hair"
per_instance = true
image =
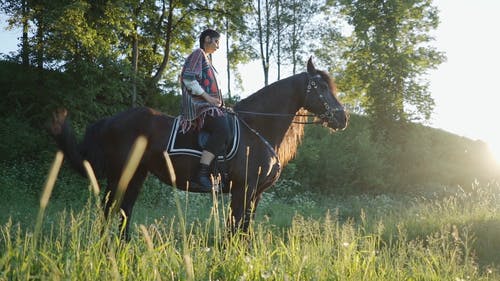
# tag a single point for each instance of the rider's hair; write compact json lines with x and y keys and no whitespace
{"x":208,"y":32}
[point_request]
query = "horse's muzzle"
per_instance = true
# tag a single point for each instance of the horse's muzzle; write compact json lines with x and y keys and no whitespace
{"x":337,"y":121}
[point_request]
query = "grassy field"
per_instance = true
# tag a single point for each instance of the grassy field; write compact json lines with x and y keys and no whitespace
{"x":434,"y":233}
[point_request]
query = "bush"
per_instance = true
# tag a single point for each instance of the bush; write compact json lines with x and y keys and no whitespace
{"x":21,"y":141}
{"x":348,"y":159}
{"x":352,"y":159}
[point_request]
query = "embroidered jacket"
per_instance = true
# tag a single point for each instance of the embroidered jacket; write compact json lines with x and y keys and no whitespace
{"x":198,"y":67}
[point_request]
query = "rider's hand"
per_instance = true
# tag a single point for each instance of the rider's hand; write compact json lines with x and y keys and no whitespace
{"x":211,"y":99}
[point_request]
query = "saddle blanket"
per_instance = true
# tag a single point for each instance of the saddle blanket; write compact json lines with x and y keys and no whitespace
{"x":191,"y":143}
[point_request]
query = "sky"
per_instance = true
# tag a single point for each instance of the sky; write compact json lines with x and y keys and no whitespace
{"x":464,"y":87}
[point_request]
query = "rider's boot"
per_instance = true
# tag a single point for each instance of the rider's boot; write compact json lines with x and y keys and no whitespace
{"x":202,"y":180}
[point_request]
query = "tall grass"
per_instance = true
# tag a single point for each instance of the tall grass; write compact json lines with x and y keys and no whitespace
{"x":74,"y":248}
{"x":451,"y":236}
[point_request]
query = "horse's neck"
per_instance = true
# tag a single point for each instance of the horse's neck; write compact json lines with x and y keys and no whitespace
{"x":281,"y":99}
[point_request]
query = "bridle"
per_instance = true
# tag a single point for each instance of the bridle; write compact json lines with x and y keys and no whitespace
{"x":329,"y":113}
{"x":312,"y":86}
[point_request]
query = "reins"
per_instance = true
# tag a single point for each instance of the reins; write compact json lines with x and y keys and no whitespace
{"x":311,"y":86}
{"x":281,"y":115}
{"x":264,"y":140}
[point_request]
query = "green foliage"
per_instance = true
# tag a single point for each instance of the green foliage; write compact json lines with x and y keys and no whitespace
{"x":21,"y":141}
{"x":295,"y":26}
{"x":96,"y":92}
{"x":33,"y":94}
{"x":167,"y":103}
{"x":387,"y":58}
{"x":127,"y":42}
{"x":348,"y":158}
{"x":428,"y":156}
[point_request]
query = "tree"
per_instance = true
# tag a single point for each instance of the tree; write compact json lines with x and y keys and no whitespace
{"x":301,"y":26}
{"x":230,"y":18}
{"x":285,"y":29}
{"x":264,"y":35}
{"x":388,"y":56}
{"x":278,"y":7}
{"x":19,"y":12}
{"x":238,"y":49}
{"x":138,"y":36}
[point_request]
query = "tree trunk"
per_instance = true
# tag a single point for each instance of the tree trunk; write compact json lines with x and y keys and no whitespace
{"x":294,"y":39}
{"x":166,"y":51}
{"x":40,"y":42}
{"x":135,"y":65}
{"x":25,"y":49}
{"x":227,"y":60}
{"x":278,"y":47}
{"x":263,"y":43}
{"x":268,"y":33}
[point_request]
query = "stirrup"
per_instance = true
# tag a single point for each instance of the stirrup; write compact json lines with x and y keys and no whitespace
{"x":203,"y":188}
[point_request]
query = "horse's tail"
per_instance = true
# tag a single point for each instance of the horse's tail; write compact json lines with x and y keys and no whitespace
{"x":75,"y":153}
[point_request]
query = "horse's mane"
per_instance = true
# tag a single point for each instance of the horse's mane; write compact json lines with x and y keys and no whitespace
{"x":328,"y":79}
{"x":293,"y":138}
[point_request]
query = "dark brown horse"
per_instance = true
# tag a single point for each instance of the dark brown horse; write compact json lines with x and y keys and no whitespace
{"x":271,"y":125}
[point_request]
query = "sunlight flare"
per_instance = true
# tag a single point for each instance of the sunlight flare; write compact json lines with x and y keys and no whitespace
{"x":131,"y":166}
{"x":494,"y":149}
{"x":51,"y":179}
{"x":92,"y":177}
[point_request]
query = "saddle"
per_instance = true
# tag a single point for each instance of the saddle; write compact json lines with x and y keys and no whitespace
{"x":193,"y":142}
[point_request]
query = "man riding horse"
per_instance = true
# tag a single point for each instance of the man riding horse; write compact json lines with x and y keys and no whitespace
{"x":267,"y":140}
{"x":201,"y":104}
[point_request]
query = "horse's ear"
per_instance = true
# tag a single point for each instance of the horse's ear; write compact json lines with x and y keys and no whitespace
{"x":58,"y":119}
{"x":310,"y":66}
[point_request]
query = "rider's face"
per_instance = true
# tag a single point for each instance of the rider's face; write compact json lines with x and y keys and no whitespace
{"x":211,"y":45}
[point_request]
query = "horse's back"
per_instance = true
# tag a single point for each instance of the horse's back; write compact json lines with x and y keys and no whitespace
{"x":133,"y":122}
{"x":114,"y":136}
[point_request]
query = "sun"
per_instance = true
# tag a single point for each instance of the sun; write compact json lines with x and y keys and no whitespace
{"x":494,"y":147}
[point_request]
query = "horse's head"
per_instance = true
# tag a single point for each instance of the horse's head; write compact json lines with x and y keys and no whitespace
{"x":321,"y":100}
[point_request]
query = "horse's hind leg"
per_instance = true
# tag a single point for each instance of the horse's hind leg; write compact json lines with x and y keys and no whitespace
{"x":128,"y":199}
{"x":109,"y":195}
